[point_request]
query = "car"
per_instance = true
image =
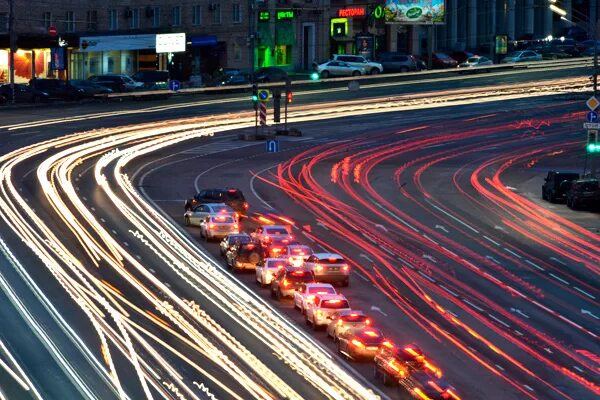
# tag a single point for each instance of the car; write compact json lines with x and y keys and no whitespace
{"x":245,"y":256}
{"x":306,"y":294}
{"x":567,"y":45}
{"x":393,"y":363}
{"x":440,"y":60}
{"x":551,"y":53}
{"x":268,"y":268}
{"x":360,"y":343}
{"x":270,"y":233}
{"x":270,"y":74}
{"x":277,"y":247}
{"x":398,"y":62}
{"x":200,"y":212}
{"x":475,"y":61}
{"x":152,"y":79}
{"x":88,"y":88}
{"x":329,"y":267}
{"x":557,"y":184}
{"x":231,"y":239}
{"x":319,"y":310}
{"x":217,"y":226}
{"x":339,"y":68}
{"x":422,"y":385}
{"x":297,"y":253}
{"x":289,"y":279}
{"x":584,"y":193}
{"x":233,"y":197}
{"x":344,"y":320}
{"x":234,"y":80}
{"x":371,"y":67}
{"x":586,"y":44}
{"x":521,"y":56}
{"x":590,"y":51}
{"x":57,"y":89}
{"x":461,"y":56}
{"x":23,"y":94}
{"x":118,"y":83}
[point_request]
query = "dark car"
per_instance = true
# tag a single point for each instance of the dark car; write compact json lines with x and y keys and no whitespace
{"x":57,"y":89}
{"x":584,"y":193}
{"x":589,"y":52}
{"x":567,"y":45}
{"x":551,"y":52}
{"x":422,"y":385}
{"x":440,"y":60}
{"x":23,"y":94}
{"x":233,"y":197}
{"x":245,"y":255}
{"x":270,"y":74}
{"x":557,"y":184}
{"x":152,"y":79}
{"x":397,"y":62}
{"x":117,"y":83}
{"x":393,"y":363}
{"x":288,"y":279}
{"x":89,"y":88}
{"x":232,"y":239}
{"x":360,"y":343}
{"x":232,"y":80}
{"x":461,"y":56}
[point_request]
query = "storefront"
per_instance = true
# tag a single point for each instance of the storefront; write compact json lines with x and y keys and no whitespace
{"x":276,"y":44}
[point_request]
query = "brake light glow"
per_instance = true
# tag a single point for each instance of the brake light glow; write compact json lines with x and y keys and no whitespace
{"x":437,"y":372}
{"x":318,"y":268}
{"x":211,"y":225}
{"x":388,"y":344}
{"x":322,"y":292}
{"x":435,"y":386}
{"x":236,"y":226}
{"x":451,"y":393}
{"x":275,"y":250}
{"x":232,"y":190}
{"x":298,"y":273}
{"x":340,"y":322}
{"x":371,"y":333}
{"x":368,"y":322}
{"x":420,"y":393}
{"x":265,"y":220}
{"x":285,"y":283}
{"x":220,"y":217}
{"x":357,"y":343}
{"x":250,"y":246}
{"x":345,"y":268}
{"x":246,"y":205}
{"x":337,"y":301}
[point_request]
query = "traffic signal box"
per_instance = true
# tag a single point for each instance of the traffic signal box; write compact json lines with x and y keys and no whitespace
{"x":276,"y":105}
{"x":593,"y":145}
{"x":255,"y":96}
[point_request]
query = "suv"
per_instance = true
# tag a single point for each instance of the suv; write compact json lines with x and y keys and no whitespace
{"x":372,"y":68}
{"x":584,"y":192}
{"x":557,"y":184}
{"x":234,"y":198}
{"x":289,"y":279}
{"x":57,"y":89}
{"x":245,"y":255}
{"x":329,"y":267}
{"x":395,"y":62}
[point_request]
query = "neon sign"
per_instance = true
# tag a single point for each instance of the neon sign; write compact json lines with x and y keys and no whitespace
{"x":352,"y":12}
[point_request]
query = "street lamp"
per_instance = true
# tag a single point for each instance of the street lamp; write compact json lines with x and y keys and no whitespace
{"x":558,"y":10}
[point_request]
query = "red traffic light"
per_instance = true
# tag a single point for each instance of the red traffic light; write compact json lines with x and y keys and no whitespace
{"x":290,"y":97}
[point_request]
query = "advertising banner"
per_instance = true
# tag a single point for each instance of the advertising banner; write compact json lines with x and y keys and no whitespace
{"x":57,"y":58}
{"x":365,"y":46}
{"x":415,"y":11}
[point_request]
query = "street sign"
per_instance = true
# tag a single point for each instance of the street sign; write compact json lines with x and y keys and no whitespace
{"x":52,"y":31}
{"x":591,"y":116}
{"x":272,"y":146}
{"x":591,"y":125}
{"x":263,"y":113}
{"x":264,"y":94}
{"x":592,"y":103}
{"x":174,"y":85}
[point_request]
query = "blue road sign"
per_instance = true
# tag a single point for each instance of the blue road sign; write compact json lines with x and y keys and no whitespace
{"x":174,"y":85}
{"x":272,"y":146}
{"x":591,"y":116}
{"x":264,"y":94}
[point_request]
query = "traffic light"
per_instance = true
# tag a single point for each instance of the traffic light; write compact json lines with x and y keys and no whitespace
{"x":289,"y":96}
{"x":254,"y":93}
{"x":592,"y":143}
{"x":314,"y":76}
{"x":276,"y":105}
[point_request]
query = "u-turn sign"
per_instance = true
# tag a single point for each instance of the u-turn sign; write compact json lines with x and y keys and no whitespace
{"x":264,"y":94}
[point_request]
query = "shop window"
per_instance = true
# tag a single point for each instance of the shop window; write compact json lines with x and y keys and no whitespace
{"x":113,"y":19}
{"x":197,"y":15}
{"x":156,"y":17}
{"x":46,"y":20}
{"x":69,"y":21}
{"x":92,"y":20}
{"x":134,"y":18}
{"x":176,"y":16}
{"x":283,"y":54}
{"x":236,"y":13}
{"x":216,"y":13}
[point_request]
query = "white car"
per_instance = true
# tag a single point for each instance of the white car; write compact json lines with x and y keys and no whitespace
{"x":268,"y":233}
{"x":306,"y":294}
{"x":522,"y":56}
{"x":339,"y":68}
{"x":200,"y":212}
{"x":341,"y":321}
{"x":475,"y":61}
{"x":266,"y":271}
{"x":323,"y":306}
{"x":297,"y":254}
{"x":217,"y":226}
{"x":329,"y":267}
{"x":371,"y":67}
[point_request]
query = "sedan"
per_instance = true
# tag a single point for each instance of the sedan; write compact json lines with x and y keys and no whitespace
{"x":307,"y":292}
{"x":267,"y":269}
{"x":475,"y":61}
{"x":230,"y":240}
{"x":322,"y":307}
{"x":339,"y":68}
{"x":89,"y":88}
{"x":23,"y":94}
{"x":341,"y":321}
{"x":198,"y":214}
{"x":522,"y":56}
{"x":360,"y":343}
{"x":218,"y":226}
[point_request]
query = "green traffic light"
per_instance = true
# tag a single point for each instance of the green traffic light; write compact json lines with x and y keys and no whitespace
{"x":254,"y":98}
{"x":314,"y":76}
{"x":593,"y":148}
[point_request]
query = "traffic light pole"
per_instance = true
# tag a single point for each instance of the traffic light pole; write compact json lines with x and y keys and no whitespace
{"x":594,"y":157}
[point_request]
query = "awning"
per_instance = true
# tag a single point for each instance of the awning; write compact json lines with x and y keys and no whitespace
{"x":285,"y":33}
{"x":264,"y":34}
{"x":205,"y":40}
{"x":117,"y":42}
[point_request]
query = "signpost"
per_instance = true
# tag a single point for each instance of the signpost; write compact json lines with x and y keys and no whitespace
{"x":272,"y":146}
{"x":263,"y":113}
{"x":52,"y":31}
{"x":174,"y":85}
{"x":591,"y":116}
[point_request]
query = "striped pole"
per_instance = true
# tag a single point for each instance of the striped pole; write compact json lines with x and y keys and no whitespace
{"x":263,"y":113}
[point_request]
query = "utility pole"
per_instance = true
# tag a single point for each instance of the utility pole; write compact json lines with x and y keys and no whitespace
{"x":594,"y":23}
{"x":13,"y":48}
{"x":251,"y":35}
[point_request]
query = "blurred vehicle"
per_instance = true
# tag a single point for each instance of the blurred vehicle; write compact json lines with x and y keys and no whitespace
{"x":199,"y":213}
{"x":270,"y":74}
{"x":89,"y":89}
{"x":573,"y":32}
{"x":268,"y":268}
{"x":394,"y":363}
{"x":339,"y":68}
{"x":522,"y":56}
{"x":117,"y":83}
{"x":57,"y":89}
{"x":586,"y":44}
{"x":231,"y":239}
{"x":152,"y":79}
{"x":567,"y":45}
{"x":319,"y":310}
{"x":584,"y":193}
{"x":23,"y":94}
{"x":557,"y":184}
{"x":360,"y":343}
{"x":440,"y":60}
{"x":475,"y":61}
{"x":551,"y":53}
{"x":289,"y":279}
{"x":371,"y":67}
{"x":329,"y":267}
{"x":234,"y":80}
{"x":297,"y":254}
{"x":422,"y":385}
{"x":217,"y":226}
{"x":233,"y":197}
{"x":344,"y":320}
{"x":397,"y":62}
{"x":589,"y":52}
{"x":269,"y":233}
{"x":306,"y":294}
{"x":461,"y":56}
{"x":245,"y":255}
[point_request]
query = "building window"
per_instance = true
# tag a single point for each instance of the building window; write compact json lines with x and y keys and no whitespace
{"x":283,"y":54}
{"x":46,"y":19}
{"x":113,"y":19}
{"x":177,"y":16}
{"x":236,"y":13}
{"x":197,"y":15}
{"x":69,"y":21}
{"x":3,"y":22}
{"x":134,"y":18}
{"x":92,"y":20}
{"x":216,"y":13}
{"x":237,"y":52}
{"x":156,"y":17}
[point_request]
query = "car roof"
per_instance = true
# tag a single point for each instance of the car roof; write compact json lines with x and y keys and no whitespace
{"x":361,"y":329}
{"x":331,"y":296}
{"x":274,"y":226}
{"x":319,"y":285}
{"x":327,"y":255}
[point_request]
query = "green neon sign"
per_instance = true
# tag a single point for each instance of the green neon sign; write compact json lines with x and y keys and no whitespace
{"x":378,"y":12}
{"x":264,"y":16}
{"x":285,"y":15}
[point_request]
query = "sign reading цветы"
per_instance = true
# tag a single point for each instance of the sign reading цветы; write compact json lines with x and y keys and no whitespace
{"x":170,"y":42}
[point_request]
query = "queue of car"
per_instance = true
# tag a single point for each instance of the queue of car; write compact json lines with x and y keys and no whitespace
{"x":577,"y":192}
{"x":289,"y":269}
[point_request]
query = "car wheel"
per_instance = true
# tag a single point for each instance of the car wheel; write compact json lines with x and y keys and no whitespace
{"x":552,"y":198}
{"x":324,"y":74}
{"x":346,"y":282}
{"x":186,"y":220}
{"x":355,"y":73}
{"x":374,"y":71}
{"x":403,"y":69}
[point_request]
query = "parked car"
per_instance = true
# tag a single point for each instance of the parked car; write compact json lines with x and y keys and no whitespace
{"x":23,"y":94}
{"x":88,"y":88}
{"x":461,"y":56}
{"x":245,"y":255}
{"x":270,"y":74}
{"x":117,"y":83}
{"x":230,"y":240}
{"x":289,"y":279}
{"x":557,"y":184}
{"x":550,"y":52}
{"x":267,"y":269}
{"x":339,"y":68}
{"x":233,"y":197}
{"x":589,"y":52}
{"x":234,"y":80}
{"x":217,"y":226}
{"x":57,"y":89}
{"x":152,"y":79}
{"x":475,"y":61}
{"x":360,"y":343}
{"x":344,"y":320}
{"x":586,"y":44}
{"x":567,"y":45}
{"x":584,"y":193}
{"x":371,"y":67}
{"x":440,"y":60}
{"x":199,"y":213}
{"x":319,"y":310}
{"x":396,"y":62}
{"x":522,"y":56}
{"x":306,"y":294}
{"x":329,"y":267}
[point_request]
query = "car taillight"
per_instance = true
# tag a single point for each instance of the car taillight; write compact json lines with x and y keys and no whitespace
{"x":245,"y":205}
{"x":318,"y":268}
{"x":345,"y":268}
{"x":368,"y":322}
{"x":285,"y":283}
{"x":436,"y":371}
{"x":371,"y":333}
{"x":357,"y":343}
{"x":310,"y":299}
{"x":340,"y":322}
{"x":236,"y":226}
{"x":387,"y":344}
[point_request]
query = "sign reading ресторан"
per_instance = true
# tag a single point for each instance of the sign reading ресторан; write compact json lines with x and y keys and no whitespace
{"x":352,"y":12}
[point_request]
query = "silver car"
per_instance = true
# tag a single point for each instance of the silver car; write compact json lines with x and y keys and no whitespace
{"x":320,"y":310}
{"x":339,"y":68}
{"x":522,"y":56}
{"x":306,"y":293}
{"x":372,"y":67}
{"x":341,"y":321}
{"x":267,"y":270}
{"x":269,"y":233}
{"x":297,"y":254}
{"x":329,"y":267}
{"x":199,"y":213}
{"x":217,"y":226}
{"x":475,"y":61}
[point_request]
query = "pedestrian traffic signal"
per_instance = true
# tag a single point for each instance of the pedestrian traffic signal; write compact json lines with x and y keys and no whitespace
{"x":289,"y":96}
{"x":314,"y":76}
{"x":254,"y":93}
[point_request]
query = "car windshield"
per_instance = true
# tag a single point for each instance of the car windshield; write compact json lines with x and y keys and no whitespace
{"x":335,"y":304}
{"x":321,"y":290}
{"x":566,"y":177}
{"x":220,"y":209}
{"x":276,"y":231}
{"x":240,"y":239}
{"x":275,"y":263}
{"x":223,"y":219}
{"x":472,"y":60}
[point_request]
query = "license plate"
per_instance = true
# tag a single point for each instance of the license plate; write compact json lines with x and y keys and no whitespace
{"x":333,"y":269}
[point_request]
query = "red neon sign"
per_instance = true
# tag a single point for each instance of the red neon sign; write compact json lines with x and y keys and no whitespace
{"x":352,"y":12}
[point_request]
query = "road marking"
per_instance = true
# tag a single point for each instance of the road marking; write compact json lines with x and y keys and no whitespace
{"x":559,"y":278}
{"x":387,"y":250}
{"x":102,"y":219}
{"x":500,"y":228}
{"x":308,"y":237}
{"x":518,"y":333}
{"x":493,"y":259}
{"x":516,"y":310}
{"x":430,"y":239}
{"x":512,"y":252}
{"x":322,"y":225}
{"x":473,"y":305}
{"x":558,"y":261}
{"x":548,"y":350}
{"x":430,"y":258}
{"x":453,"y":217}
{"x":449,"y":251}
{"x":577,"y":368}
{"x":499,"y":367}
{"x":361,"y":276}
{"x":491,"y":240}
{"x":424,"y":275}
{"x":449,"y":291}
{"x":366,"y":257}
{"x":383,"y":228}
{"x":114,"y":232}
{"x":499,"y":320}
{"x":534,"y":265}
{"x":442,"y":228}
{"x":126,"y":244}
{"x":151,"y":270}
{"x":528,"y":388}
{"x":584,"y":292}
{"x":377,"y":309}
{"x":589,"y":313}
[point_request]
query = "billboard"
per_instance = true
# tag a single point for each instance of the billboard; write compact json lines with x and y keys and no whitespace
{"x":170,"y":42}
{"x":415,"y":11}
